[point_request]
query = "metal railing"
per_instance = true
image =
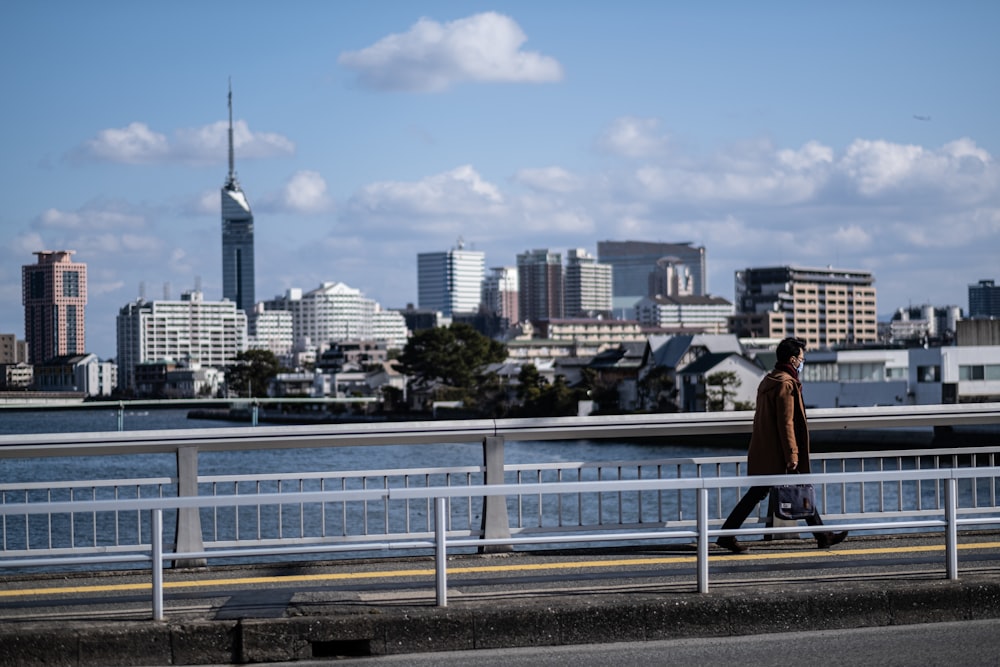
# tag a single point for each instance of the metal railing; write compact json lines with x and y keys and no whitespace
{"x":952,"y":515}
{"x":380,"y":517}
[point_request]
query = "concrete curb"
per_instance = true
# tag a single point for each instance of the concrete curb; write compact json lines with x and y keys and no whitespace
{"x":478,"y":625}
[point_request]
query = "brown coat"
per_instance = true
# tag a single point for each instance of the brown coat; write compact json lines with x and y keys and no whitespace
{"x":780,"y":432}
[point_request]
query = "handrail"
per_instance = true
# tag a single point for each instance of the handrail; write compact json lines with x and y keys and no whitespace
{"x":702,"y":533}
{"x":474,"y":431}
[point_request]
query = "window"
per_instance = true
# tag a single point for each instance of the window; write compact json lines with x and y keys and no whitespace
{"x":70,"y":283}
{"x":928,"y":373}
{"x":979,"y":372}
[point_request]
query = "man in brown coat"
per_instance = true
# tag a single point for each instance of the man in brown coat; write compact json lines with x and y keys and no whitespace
{"x":780,"y":440}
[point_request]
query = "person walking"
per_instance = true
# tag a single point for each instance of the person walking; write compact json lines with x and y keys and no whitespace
{"x":780,"y":441}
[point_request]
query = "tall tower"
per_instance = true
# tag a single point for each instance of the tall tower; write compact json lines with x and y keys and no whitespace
{"x":540,"y":279}
{"x":450,"y":282}
{"x":54,"y":293}
{"x":587,"y":288}
{"x":237,"y":235}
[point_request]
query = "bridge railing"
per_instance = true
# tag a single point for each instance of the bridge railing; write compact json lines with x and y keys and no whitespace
{"x":151,"y":552}
{"x":481,"y":516}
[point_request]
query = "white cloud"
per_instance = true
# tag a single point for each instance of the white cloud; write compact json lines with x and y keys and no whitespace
{"x":138,"y":144}
{"x":432,"y":57}
{"x":306,"y":192}
{"x":548,"y":179}
{"x":634,"y":138}
{"x":459,"y":192}
{"x":132,"y":144}
{"x":960,"y":167}
{"x":92,"y":217}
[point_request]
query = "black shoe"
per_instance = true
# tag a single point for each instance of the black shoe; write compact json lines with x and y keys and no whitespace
{"x":827,"y":540}
{"x":732,"y":544}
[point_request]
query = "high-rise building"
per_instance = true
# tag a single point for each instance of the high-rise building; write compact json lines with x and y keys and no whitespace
{"x":237,"y":236}
{"x":54,"y":294}
{"x":587,"y":288}
{"x":984,"y":301}
{"x":540,"y":282}
{"x":191,"y":330}
{"x":633,"y":262}
{"x":336,"y":312}
{"x":500,"y":290}
{"x":825,"y":307}
{"x":271,"y":330}
{"x":450,"y":281}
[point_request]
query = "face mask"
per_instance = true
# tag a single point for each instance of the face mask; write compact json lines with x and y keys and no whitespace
{"x":801,"y":365}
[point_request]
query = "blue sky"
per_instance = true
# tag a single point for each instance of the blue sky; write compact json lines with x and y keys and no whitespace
{"x":855,"y":134}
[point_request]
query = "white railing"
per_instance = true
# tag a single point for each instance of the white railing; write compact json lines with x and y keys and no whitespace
{"x":245,"y":525}
{"x":951,"y":516}
{"x":380,"y":517}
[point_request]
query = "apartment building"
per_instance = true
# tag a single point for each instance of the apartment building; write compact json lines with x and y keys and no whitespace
{"x":825,"y":307}
{"x":190,"y":330}
{"x":587,"y":287}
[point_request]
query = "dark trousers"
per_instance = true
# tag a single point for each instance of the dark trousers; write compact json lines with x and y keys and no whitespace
{"x":748,"y":503}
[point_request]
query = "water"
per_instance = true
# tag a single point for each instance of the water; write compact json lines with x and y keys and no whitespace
{"x":289,"y":460}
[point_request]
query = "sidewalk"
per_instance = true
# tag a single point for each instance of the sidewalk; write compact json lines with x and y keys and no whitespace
{"x":330,"y":623}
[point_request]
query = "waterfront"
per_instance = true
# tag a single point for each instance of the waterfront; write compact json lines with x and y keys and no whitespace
{"x":292,"y":460}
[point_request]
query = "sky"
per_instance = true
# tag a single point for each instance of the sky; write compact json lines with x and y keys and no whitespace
{"x":857,"y":135}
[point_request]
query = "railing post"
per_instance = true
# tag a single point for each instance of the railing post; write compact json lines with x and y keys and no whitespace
{"x":441,"y":550}
{"x":156,"y":540}
{"x":495,"y":523}
{"x":951,"y":529}
{"x":188,"y":533}
{"x":121,"y":416}
{"x":702,"y":547}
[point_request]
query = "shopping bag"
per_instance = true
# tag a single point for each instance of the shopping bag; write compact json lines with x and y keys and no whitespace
{"x":794,"y":501}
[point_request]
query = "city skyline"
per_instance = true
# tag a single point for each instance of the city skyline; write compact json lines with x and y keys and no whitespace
{"x":860,"y":136}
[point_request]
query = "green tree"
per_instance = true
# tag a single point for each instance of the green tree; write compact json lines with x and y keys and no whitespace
{"x":454,"y":358}
{"x":719,"y":387}
{"x":251,"y":372}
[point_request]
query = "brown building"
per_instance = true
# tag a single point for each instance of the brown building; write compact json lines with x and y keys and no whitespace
{"x":54,"y":294}
{"x":825,"y":307}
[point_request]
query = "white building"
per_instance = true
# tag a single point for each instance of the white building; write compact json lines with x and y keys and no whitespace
{"x":210,"y":333}
{"x":708,"y":314}
{"x":500,"y":290}
{"x":914,"y":376}
{"x":336,"y":312}
{"x":450,"y":281}
{"x":271,"y":330}
{"x":587,"y":285}
{"x":389,"y":326}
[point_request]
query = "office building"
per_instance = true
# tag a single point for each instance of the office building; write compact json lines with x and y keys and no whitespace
{"x":587,"y":287}
{"x":825,"y":307}
{"x":540,"y":281}
{"x":450,"y":281}
{"x":191,"y":331}
{"x":500,"y":290}
{"x":984,"y":301}
{"x":635,"y":262}
{"x":237,"y":236}
{"x":54,"y":294}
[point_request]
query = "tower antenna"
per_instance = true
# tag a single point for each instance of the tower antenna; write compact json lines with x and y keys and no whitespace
{"x":232,"y":160}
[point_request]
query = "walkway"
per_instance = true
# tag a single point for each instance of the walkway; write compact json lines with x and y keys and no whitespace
{"x":377,"y":607}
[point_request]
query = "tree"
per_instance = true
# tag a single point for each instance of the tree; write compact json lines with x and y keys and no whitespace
{"x":251,"y":372}
{"x":719,"y":387}
{"x":453,"y":357}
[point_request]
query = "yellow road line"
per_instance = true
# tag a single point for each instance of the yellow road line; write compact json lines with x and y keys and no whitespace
{"x":524,"y":567}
